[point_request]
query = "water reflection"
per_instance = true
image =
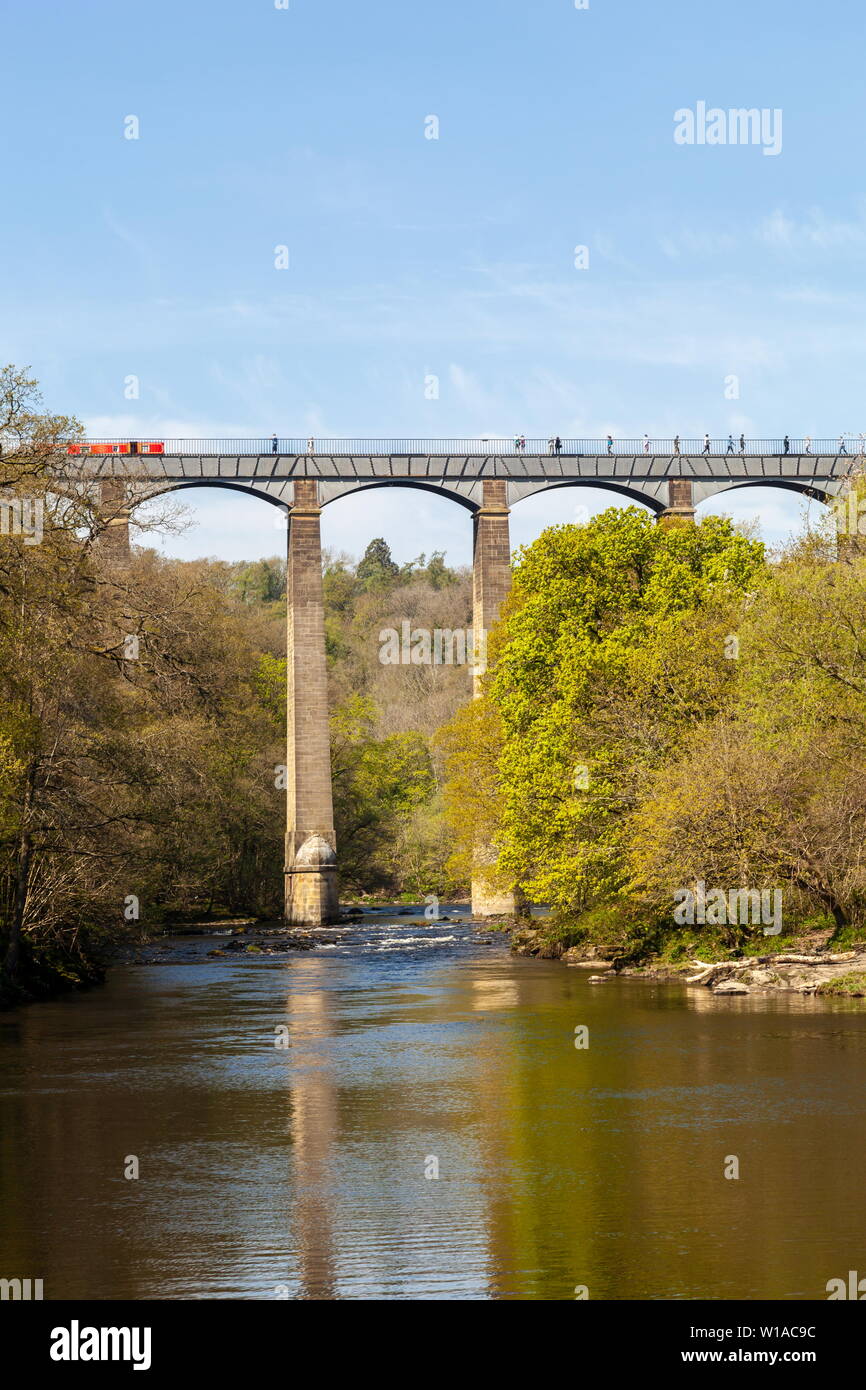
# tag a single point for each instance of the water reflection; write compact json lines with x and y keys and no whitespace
{"x":310,"y":1167}
{"x":313,"y":1129}
{"x":494,"y":994}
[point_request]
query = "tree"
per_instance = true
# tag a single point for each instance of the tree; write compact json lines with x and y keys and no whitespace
{"x":31,"y":440}
{"x":377,"y":569}
{"x":610,"y":646}
{"x":773,"y":791}
{"x":379,"y":784}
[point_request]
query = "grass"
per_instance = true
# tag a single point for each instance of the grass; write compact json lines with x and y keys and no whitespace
{"x":852,"y":985}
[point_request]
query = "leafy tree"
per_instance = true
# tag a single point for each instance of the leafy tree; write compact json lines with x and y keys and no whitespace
{"x":378,"y":785}
{"x":377,"y":569}
{"x":263,"y":581}
{"x":611,"y":646}
{"x":773,"y":791}
{"x":437,"y":573}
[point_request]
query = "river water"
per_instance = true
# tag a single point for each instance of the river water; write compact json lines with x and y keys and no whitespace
{"x":307,"y":1170}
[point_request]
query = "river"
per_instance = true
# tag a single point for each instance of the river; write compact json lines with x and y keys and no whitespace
{"x":307,"y":1170}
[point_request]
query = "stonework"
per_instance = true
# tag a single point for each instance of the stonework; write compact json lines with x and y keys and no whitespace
{"x":114,"y":512}
{"x":311,"y":873}
{"x":312,"y":883}
{"x":681,"y":507}
{"x":491,"y":581}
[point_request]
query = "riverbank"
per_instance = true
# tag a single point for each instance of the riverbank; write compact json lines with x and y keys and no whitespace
{"x":808,"y":962}
{"x":47,"y":976}
{"x":801,"y":964}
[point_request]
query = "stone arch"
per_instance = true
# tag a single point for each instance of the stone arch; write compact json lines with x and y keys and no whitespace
{"x":800,"y":485}
{"x":146,"y":491}
{"x":336,"y":492}
{"x":634,"y":494}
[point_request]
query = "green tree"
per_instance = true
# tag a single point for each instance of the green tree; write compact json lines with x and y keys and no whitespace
{"x":377,"y":569}
{"x":611,"y":645}
{"x":379,"y":784}
{"x":772,"y":792}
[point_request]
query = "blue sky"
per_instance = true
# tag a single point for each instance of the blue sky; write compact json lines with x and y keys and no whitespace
{"x":305,"y":127}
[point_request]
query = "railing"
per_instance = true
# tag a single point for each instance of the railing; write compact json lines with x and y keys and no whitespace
{"x":848,"y":444}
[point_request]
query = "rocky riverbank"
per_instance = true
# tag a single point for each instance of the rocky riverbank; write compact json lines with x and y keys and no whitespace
{"x":813,"y":971}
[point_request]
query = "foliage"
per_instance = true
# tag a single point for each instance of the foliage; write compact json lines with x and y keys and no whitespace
{"x":665,"y":707}
{"x":611,"y":646}
{"x":142,"y":717}
{"x":786,"y":802}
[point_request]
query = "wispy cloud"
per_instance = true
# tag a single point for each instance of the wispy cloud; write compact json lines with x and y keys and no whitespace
{"x":814,"y":231}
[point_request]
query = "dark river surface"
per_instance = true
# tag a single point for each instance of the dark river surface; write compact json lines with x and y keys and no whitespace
{"x":300,"y":1171}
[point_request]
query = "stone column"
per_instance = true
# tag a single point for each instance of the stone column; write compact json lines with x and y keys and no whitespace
{"x":311,"y":860}
{"x":114,"y":512}
{"x":681,"y":507}
{"x":491,"y":580}
{"x":491,"y":565}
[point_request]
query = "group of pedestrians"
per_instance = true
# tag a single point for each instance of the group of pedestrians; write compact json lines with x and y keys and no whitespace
{"x":275,"y":444}
{"x":740,"y":446}
{"x":554,"y":445}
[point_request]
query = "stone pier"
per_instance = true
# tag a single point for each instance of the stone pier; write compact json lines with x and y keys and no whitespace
{"x":114,"y":512}
{"x":491,"y":580}
{"x":311,"y":860}
{"x":681,"y":506}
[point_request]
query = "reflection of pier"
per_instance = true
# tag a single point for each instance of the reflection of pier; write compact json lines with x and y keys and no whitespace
{"x":314,"y":1136}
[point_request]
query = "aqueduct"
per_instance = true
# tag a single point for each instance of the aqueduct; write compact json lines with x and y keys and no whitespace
{"x":486,"y":484}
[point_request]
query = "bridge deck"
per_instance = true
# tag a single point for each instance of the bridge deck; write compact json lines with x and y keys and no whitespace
{"x":180,"y":467}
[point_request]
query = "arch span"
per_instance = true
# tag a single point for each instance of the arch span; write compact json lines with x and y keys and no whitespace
{"x":363,"y":486}
{"x":802,"y":486}
{"x":599,"y":484}
{"x":223,"y":484}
